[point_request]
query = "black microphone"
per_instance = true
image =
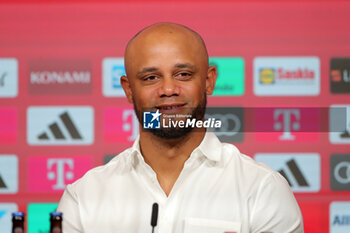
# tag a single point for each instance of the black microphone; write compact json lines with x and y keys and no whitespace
{"x":154,"y":217}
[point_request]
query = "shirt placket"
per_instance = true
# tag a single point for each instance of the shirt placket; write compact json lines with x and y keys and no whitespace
{"x":168,"y":206}
{"x":169,"y":211}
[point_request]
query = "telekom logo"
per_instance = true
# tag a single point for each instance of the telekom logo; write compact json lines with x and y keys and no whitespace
{"x":285,"y":115}
{"x":52,"y":174}
{"x":287,"y":125}
{"x":8,"y":125}
{"x":130,"y":124}
{"x":120,"y":125}
{"x":59,"y":174}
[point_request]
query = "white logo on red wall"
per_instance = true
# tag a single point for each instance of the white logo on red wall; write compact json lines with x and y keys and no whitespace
{"x":286,"y":76}
{"x":52,"y":174}
{"x":120,"y":125}
{"x":64,"y":171}
{"x":287,"y":124}
{"x":8,"y":77}
{"x":301,"y":170}
{"x":339,"y":217}
{"x":54,"y":77}
{"x":8,"y":174}
{"x":6,"y":209}
{"x":112,"y":70}
{"x":339,"y":124}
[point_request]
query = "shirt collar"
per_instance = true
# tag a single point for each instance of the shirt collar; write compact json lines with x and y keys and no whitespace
{"x":210,"y":147}
{"x":135,"y":154}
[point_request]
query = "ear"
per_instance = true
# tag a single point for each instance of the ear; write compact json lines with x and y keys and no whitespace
{"x":211,"y":80}
{"x":124,"y":81}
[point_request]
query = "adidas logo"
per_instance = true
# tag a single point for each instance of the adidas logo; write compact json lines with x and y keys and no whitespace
{"x":60,"y":125}
{"x":2,"y":79}
{"x":301,"y":170}
{"x":296,"y":173}
{"x":57,"y":132}
{"x":2,"y":183}
{"x":8,"y":174}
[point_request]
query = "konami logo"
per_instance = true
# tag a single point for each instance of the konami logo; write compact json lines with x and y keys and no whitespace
{"x":53,"y":77}
{"x":60,"y":77}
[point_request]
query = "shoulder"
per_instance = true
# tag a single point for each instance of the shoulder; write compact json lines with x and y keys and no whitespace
{"x":244,"y":163}
{"x":250,"y":175}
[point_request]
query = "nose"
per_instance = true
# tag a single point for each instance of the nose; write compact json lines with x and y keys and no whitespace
{"x":168,"y":87}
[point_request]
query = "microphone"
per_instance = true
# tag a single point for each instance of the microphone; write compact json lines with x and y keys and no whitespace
{"x":154,"y":217}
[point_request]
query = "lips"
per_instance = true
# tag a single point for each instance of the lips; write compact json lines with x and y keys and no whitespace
{"x":169,"y":107}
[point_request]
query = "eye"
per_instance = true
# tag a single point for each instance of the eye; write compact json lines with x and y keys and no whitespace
{"x":183,"y":75}
{"x":150,"y":78}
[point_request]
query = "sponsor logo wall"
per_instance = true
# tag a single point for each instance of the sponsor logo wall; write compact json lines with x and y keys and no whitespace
{"x":60,"y":77}
{"x":287,"y":76}
{"x":8,"y":174}
{"x":120,"y":125}
{"x":230,"y":80}
{"x":339,"y":217}
{"x":8,"y":125}
{"x":63,"y":125}
{"x":6,"y":209}
{"x":8,"y":77}
{"x":340,"y":171}
{"x":301,"y":170}
{"x":37,"y":216}
{"x":50,"y":174}
{"x":63,"y":110}
{"x":287,"y":124}
{"x":340,"y":75}
{"x":232,"y":118}
{"x":75,"y":126}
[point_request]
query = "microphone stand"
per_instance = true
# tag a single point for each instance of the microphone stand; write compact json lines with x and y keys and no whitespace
{"x":154,"y":217}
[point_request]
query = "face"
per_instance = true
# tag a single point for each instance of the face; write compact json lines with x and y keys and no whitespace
{"x":168,"y":72}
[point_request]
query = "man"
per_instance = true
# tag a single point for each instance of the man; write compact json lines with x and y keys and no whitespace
{"x":200,"y":184}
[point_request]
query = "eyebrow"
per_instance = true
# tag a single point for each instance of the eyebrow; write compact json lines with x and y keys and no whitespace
{"x":147,"y":70}
{"x":184,"y":65}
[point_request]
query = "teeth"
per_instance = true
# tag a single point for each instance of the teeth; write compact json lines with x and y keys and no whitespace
{"x":169,"y":108}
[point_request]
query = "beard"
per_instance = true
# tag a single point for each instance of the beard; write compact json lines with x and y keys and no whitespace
{"x":175,"y":132}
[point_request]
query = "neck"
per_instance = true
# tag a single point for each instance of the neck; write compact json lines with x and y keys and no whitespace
{"x":167,"y":156}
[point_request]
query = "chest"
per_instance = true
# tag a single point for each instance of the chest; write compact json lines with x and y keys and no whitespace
{"x":194,"y":205}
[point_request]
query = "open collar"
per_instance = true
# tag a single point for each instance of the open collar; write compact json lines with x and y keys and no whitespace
{"x":210,"y":147}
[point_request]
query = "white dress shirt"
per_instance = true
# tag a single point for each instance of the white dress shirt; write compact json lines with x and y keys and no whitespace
{"x":219,"y":190}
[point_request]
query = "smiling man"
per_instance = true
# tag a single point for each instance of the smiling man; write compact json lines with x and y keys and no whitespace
{"x":200,"y":184}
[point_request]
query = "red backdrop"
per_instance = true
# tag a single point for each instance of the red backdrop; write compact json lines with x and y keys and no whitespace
{"x":39,"y":32}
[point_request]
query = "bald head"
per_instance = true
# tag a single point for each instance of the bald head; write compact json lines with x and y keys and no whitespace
{"x":175,"y":35}
{"x":167,"y":69}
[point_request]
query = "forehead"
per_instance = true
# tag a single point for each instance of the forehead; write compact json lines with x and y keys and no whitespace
{"x":164,"y":45}
{"x":166,"y":31}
